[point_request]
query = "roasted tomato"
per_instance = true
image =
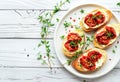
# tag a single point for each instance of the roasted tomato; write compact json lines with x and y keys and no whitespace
{"x":90,"y":21}
{"x":94,"y":56}
{"x":110,"y":32}
{"x":87,"y":63}
{"x":74,"y":36}
{"x":99,"y":17}
{"x":104,"y":37}
{"x":71,"y":45}
{"x":94,"y":19}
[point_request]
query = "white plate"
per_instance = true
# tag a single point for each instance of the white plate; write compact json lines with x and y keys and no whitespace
{"x":113,"y":58}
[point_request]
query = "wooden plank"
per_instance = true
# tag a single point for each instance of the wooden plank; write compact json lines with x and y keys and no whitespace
{"x":49,"y":4}
{"x":46,"y":75}
{"x":23,"y":52}
{"x":20,"y":17}
{"x":24,"y":23}
{"x":14,"y":53}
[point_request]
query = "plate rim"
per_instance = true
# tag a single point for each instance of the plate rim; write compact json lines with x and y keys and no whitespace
{"x":54,"y":41}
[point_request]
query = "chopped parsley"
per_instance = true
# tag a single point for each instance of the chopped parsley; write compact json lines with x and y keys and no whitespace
{"x":78,"y":52}
{"x":62,"y":37}
{"x":81,"y":65}
{"x":67,"y":24}
{"x":109,"y":34}
{"x":77,"y":27}
{"x":118,"y":4}
{"x":84,"y":80}
{"x":73,"y":44}
{"x":115,"y":46}
{"x":93,"y":56}
{"x":89,"y":40}
{"x":57,"y":19}
{"x":113,"y":51}
{"x":69,"y":61}
{"x":95,"y":16}
{"x":82,"y":11}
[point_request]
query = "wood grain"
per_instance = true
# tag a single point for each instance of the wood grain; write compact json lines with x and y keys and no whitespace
{"x":46,"y":75}
{"x":20,"y":35}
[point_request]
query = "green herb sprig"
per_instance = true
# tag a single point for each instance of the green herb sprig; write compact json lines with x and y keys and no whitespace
{"x":46,"y":21}
{"x":69,"y":61}
{"x":89,"y":40}
{"x":118,"y":4}
{"x":82,"y":11}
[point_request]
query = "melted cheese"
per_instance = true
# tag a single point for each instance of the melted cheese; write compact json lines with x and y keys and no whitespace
{"x":99,"y":62}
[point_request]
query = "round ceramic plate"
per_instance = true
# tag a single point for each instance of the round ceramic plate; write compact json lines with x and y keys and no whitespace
{"x":73,"y":17}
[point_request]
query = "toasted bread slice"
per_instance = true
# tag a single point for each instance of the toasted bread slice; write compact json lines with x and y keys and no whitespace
{"x":68,"y":53}
{"x":100,"y":45}
{"x":105,"y":15}
{"x":80,"y":65}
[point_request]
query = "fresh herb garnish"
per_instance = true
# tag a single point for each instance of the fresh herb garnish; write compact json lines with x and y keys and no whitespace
{"x":67,"y":24}
{"x":113,"y":51}
{"x":69,"y":61}
{"x":81,"y":65}
{"x":89,"y":40}
{"x":109,"y":34}
{"x":83,"y":35}
{"x":57,"y":19}
{"x":82,"y":11}
{"x":115,"y":46}
{"x":73,"y":44}
{"x":118,"y":4}
{"x":62,"y":37}
{"x":97,"y":16}
{"x":94,"y":16}
{"x":46,"y":21}
{"x":76,"y":27}
{"x":84,"y":80}
{"x":81,"y":43}
{"x":92,"y":56}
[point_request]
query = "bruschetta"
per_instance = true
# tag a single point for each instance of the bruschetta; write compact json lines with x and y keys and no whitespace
{"x":90,"y":61}
{"x":106,"y":35}
{"x":73,"y":42}
{"x":95,"y":19}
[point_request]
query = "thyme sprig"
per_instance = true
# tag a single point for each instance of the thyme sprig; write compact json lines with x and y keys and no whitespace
{"x":118,"y":4}
{"x":46,"y":21}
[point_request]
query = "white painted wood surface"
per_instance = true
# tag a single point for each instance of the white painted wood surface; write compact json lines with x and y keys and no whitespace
{"x":20,"y":34}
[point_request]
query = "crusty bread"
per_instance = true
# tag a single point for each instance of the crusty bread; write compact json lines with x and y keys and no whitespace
{"x":101,"y":46}
{"x":105,"y":12}
{"x":76,"y":63}
{"x":67,"y":52}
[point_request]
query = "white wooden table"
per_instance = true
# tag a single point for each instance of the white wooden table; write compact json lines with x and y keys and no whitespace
{"x":20,"y":35}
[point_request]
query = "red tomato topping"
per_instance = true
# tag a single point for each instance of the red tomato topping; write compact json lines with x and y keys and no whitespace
{"x":94,"y":56}
{"x":90,"y":21}
{"x":94,"y":19}
{"x":71,"y":45}
{"x":87,"y":63}
{"x":99,"y":17}
{"x":74,"y":36}
{"x":110,"y":32}
{"x":104,"y":37}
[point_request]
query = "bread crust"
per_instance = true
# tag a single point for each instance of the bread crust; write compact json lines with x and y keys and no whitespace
{"x":76,"y":64}
{"x":107,"y":12}
{"x":71,"y":54}
{"x":117,"y":30}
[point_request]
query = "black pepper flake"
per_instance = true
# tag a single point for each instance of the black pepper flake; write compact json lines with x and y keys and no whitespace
{"x":27,"y":55}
